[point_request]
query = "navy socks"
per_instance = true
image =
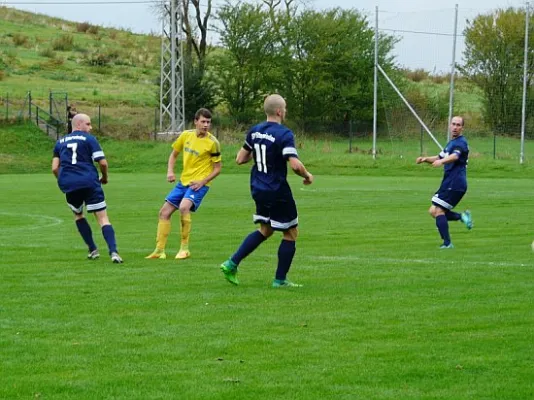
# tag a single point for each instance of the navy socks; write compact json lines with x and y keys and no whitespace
{"x":251,"y":243}
{"x":286,"y":251}
{"x":86,"y":233}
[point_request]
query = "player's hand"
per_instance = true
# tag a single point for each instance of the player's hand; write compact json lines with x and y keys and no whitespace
{"x":437,"y":163}
{"x":171,"y":177}
{"x":196,"y":185}
{"x":104,"y":180}
{"x":420,"y":160}
{"x":308,"y":180}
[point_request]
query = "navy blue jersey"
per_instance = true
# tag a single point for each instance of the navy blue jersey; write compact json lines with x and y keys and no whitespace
{"x":77,"y":153}
{"x":455,"y":174}
{"x":272,"y":145}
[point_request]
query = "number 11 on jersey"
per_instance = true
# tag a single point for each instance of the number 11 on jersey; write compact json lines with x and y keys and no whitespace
{"x":261,"y":157}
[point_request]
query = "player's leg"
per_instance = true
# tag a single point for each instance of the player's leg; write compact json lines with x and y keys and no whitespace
{"x":75,"y":201}
{"x":252,"y":241}
{"x":442,"y":202}
{"x":285,"y":218}
{"x":190,"y":203}
{"x":96,"y":204}
{"x":172,"y":202}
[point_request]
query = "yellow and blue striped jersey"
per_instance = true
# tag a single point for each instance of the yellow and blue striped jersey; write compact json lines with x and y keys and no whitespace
{"x":199,"y":155}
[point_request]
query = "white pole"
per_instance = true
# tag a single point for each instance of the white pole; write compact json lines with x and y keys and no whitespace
{"x":375,"y":98}
{"x":453,"y":72}
{"x":409,"y":107}
{"x":525,"y":75}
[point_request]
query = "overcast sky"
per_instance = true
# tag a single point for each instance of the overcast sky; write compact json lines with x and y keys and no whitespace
{"x":425,"y":27}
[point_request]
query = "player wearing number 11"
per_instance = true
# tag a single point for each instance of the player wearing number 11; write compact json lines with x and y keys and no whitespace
{"x":77,"y":177}
{"x":271,"y":146}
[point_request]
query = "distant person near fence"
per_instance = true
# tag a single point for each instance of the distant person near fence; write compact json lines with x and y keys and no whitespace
{"x":71,"y":113}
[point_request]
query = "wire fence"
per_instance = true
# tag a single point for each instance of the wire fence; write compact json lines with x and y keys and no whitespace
{"x":441,"y":75}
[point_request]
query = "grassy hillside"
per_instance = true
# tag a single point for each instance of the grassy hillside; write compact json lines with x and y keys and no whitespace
{"x":114,"y":68}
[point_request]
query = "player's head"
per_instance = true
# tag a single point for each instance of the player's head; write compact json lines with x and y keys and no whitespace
{"x":457,"y":126}
{"x":275,"y":107}
{"x":202,"y":120}
{"x":81,"y":122}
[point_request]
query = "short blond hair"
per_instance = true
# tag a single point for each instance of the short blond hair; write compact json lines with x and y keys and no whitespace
{"x":273,"y":103}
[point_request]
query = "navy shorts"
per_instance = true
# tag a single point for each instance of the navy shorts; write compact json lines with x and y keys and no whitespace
{"x":447,"y":199}
{"x":185,"y":192}
{"x":93,"y":198}
{"x":278,"y":210}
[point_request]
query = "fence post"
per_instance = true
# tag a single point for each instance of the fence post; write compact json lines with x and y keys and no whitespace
{"x":30,"y":104}
{"x":37,"y":116}
{"x":421,"y":142}
{"x":350,"y":136}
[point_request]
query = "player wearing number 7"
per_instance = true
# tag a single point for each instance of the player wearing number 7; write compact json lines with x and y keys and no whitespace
{"x":77,"y":177}
{"x":271,"y":146}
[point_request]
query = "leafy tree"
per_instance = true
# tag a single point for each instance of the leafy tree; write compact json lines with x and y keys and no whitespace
{"x":245,"y":67}
{"x":494,"y":57}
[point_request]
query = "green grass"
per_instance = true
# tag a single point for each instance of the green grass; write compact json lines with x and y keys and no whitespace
{"x":384,"y":314}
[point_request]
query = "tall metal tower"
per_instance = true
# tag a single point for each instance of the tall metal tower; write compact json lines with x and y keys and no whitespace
{"x":171,"y":97}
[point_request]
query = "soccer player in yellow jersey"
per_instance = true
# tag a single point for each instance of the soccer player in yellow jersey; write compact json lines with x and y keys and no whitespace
{"x":201,"y":164}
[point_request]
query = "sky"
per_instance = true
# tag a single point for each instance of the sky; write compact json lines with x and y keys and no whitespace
{"x":425,"y":28}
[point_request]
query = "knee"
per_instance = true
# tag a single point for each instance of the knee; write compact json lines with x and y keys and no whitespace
{"x":266,"y":231}
{"x":291,"y":234}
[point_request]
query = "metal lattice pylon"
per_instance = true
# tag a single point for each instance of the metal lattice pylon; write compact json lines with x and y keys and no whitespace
{"x":171,"y":100}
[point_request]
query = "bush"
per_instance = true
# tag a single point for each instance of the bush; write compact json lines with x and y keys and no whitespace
{"x":83,"y":27}
{"x":20,"y":40}
{"x":417,"y":75}
{"x":47,"y":52}
{"x":93,"y":29}
{"x":2,"y":74}
{"x":63,"y":43}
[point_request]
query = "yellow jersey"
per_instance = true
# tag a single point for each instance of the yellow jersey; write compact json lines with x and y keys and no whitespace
{"x":199,"y":155}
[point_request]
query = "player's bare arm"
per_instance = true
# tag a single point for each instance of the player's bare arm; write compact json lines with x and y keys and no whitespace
{"x":55,"y":166}
{"x":299,"y":169}
{"x":446,"y":160}
{"x":429,"y":160}
{"x":103,"y":164}
{"x":170,"y":166}
{"x":243,"y":156}
{"x":196,"y":185}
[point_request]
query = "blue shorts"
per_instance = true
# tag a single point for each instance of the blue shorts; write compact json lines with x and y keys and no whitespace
{"x":92,"y":197}
{"x":447,"y":199}
{"x":278,"y":210}
{"x":181,"y":192}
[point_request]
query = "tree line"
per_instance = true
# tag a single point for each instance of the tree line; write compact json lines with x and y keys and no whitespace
{"x":322,"y":62}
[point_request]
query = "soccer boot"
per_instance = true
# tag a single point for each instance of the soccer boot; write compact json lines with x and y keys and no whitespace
{"x":157,"y":254}
{"x":116,"y":258}
{"x":182,"y":255}
{"x":447,"y":246}
{"x":93,"y":255}
{"x":284,"y":284}
{"x":467,"y":219}
{"x":229,"y":269}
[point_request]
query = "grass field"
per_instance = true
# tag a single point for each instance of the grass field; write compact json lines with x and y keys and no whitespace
{"x":383,"y":314}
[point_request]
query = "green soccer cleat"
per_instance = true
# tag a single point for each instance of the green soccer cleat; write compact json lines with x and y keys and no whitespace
{"x":285,"y":284}
{"x":467,"y":219}
{"x":446,"y":246}
{"x":229,"y":269}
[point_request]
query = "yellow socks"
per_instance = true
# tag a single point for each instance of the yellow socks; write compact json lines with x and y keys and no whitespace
{"x":186,"y":229}
{"x":164,"y":228}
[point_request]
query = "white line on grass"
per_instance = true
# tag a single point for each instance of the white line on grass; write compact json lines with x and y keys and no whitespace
{"x":48,"y":222}
{"x":417,"y":261}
